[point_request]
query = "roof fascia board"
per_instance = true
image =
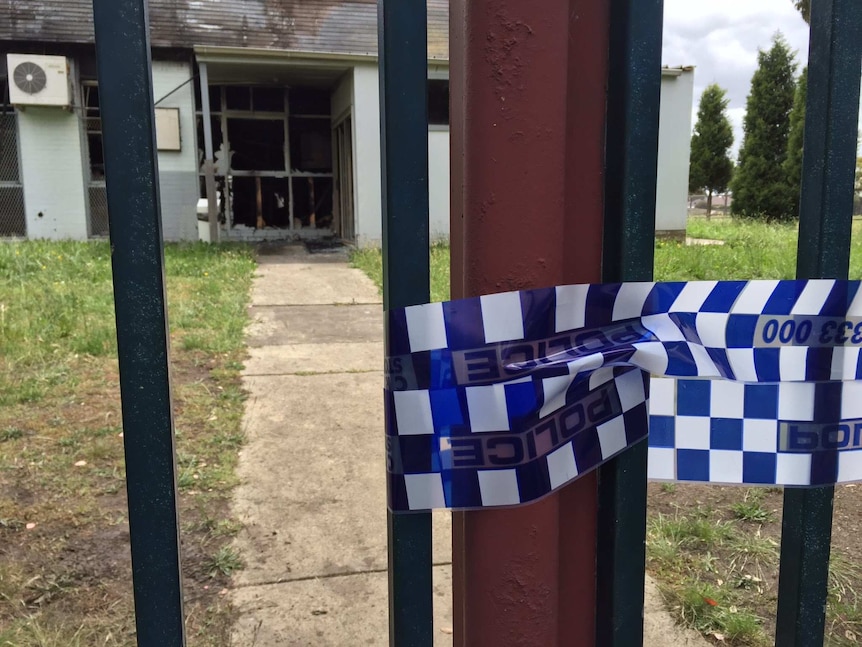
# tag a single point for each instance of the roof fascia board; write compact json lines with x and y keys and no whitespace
{"x":217,"y":54}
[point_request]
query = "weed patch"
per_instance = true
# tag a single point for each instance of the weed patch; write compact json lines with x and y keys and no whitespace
{"x":225,"y":561}
{"x":751,"y":507}
{"x":65,"y":572}
{"x":717,"y":543}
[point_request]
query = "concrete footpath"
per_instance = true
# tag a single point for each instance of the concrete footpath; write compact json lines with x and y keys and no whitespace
{"x":312,"y":497}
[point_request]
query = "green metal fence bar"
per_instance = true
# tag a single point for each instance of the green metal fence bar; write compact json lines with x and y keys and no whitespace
{"x":826,"y":208}
{"x":123,"y":53}
{"x":402,"y":34}
{"x":634,"y":88}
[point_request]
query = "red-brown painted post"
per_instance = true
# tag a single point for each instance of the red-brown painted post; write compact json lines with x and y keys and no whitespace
{"x":528,"y":93}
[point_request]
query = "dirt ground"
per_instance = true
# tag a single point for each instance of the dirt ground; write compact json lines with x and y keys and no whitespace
{"x":754,"y":578}
{"x":65,"y":567}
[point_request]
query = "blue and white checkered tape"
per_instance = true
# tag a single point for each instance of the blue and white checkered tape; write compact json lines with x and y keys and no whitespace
{"x":501,"y":399}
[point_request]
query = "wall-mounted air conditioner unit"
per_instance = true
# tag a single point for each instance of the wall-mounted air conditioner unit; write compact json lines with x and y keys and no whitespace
{"x":38,"y":80}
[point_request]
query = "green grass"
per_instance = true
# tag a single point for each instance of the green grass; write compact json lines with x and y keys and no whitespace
{"x":844,"y":616}
{"x":10,"y":433}
{"x":56,"y":305}
{"x":61,"y":449}
{"x":226,"y":560}
{"x":710,"y":609}
{"x":751,"y":507}
{"x":720,"y":555}
{"x":708,"y":568}
{"x":751,"y":250}
{"x":370,"y":261}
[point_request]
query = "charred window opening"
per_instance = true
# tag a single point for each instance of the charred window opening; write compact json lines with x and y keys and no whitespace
{"x":256,"y":144}
{"x":438,"y":102}
{"x":309,"y":102}
{"x":311,"y":144}
{"x":267,"y":99}
{"x":312,"y":202}
{"x":237,"y":97}
{"x":273,"y":155}
{"x":264,"y":197}
{"x":97,"y":199}
{"x":217,"y":139}
{"x":93,"y":121}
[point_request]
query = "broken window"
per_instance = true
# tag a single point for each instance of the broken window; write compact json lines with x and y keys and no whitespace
{"x":273,"y":155}
{"x":261,"y":201}
{"x":264,"y":99}
{"x":438,"y":102}
{"x":217,"y":139}
{"x":312,"y":202}
{"x":311,"y":144}
{"x":256,"y":144}
{"x":97,"y":197}
{"x":93,"y":121}
{"x":237,"y":97}
{"x":309,"y":101}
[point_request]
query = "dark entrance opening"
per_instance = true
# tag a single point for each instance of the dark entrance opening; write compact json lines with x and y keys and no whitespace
{"x":274,"y":209}
{"x":257,"y":144}
{"x":273,"y":156}
{"x":312,"y":202}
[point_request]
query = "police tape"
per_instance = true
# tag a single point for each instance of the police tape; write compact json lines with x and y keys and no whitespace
{"x":502,"y":399}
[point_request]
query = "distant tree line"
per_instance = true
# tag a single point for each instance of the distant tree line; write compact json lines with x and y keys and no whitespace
{"x":857,"y":196}
{"x":767,"y":177}
{"x":765,"y":182}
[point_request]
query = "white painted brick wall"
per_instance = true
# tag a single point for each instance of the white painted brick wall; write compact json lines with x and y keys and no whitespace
{"x":178,"y":170}
{"x":54,"y":165}
{"x":438,"y":183}
{"x":52,"y":170}
{"x":674,"y":148}
{"x":366,"y":154}
{"x":366,"y":160}
{"x":673,"y":159}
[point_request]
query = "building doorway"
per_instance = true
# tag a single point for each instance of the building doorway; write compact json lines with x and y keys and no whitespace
{"x":273,"y":158}
{"x":343,"y":134}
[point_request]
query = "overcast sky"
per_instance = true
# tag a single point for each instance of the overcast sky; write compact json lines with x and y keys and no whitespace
{"x":721,"y":37}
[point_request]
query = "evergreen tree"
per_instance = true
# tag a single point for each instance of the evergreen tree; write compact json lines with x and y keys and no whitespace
{"x":711,"y":168}
{"x":793,"y":163}
{"x":760,"y":184}
{"x":804,"y":7}
{"x":857,"y":194}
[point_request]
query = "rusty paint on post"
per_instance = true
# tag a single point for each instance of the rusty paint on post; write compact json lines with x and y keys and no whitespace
{"x":527,"y":150}
{"x":582,"y":261}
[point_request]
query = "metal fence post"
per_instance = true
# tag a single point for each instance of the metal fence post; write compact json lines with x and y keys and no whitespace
{"x":826,"y":209}
{"x":528,"y":100}
{"x":634,"y":90}
{"x":123,"y":53}
{"x":403,"y":55}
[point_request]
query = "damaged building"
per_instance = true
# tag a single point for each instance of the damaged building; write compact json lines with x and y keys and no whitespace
{"x":268,"y":110}
{"x":276,"y":100}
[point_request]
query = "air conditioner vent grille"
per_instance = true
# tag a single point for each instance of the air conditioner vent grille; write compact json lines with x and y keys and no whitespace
{"x":30,"y":78}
